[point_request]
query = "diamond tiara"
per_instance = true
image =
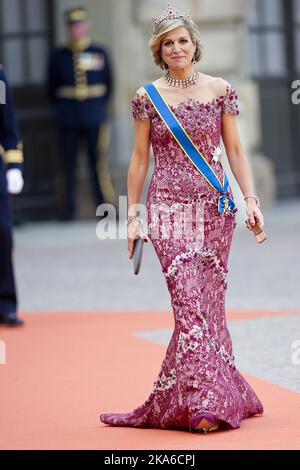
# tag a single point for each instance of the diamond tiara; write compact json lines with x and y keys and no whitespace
{"x":171,"y":13}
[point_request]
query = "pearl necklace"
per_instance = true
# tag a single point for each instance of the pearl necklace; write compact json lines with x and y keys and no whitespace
{"x":186,"y":82}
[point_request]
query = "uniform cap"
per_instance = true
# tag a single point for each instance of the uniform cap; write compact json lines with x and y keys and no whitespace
{"x":76,"y":14}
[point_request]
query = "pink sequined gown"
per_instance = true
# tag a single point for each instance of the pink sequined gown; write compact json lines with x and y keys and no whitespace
{"x":198,"y":372}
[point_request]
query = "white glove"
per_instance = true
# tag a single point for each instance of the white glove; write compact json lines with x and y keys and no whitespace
{"x":15,"y":181}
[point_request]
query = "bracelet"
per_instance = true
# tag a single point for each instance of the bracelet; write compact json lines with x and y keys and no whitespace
{"x":253,"y":197}
{"x":131,"y":218}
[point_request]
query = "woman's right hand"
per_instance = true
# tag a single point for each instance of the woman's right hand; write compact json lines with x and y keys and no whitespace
{"x":254,"y":215}
{"x":133,"y":231}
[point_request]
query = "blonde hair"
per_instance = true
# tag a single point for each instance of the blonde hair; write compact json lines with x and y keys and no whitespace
{"x":163,"y":29}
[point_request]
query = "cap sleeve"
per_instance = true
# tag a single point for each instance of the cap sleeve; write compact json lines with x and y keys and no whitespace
{"x":230,"y":101}
{"x":140,"y":106}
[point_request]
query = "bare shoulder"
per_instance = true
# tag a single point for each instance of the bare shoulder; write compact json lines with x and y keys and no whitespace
{"x":160,"y":82}
{"x":219,"y":86}
{"x":140,"y":92}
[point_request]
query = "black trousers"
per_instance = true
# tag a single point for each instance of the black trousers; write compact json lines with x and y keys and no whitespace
{"x":8,"y":298}
{"x":69,"y":140}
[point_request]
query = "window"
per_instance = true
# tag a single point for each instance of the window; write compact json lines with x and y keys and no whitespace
{"x":296,"y":27}
{"x":267,"y":38}
{"x":24,"y":40}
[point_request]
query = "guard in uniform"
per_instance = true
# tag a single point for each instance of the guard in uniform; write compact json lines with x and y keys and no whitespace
{"x":80,"y":85}
{"x":11,"y":182}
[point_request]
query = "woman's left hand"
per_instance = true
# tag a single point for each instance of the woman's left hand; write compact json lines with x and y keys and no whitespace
{"x":254,"y":215}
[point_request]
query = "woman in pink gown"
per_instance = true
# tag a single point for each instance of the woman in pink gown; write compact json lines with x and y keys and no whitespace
{"x":198,"y":386}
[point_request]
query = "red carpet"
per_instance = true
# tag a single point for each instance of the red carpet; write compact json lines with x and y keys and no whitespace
{"x":64,"y":369}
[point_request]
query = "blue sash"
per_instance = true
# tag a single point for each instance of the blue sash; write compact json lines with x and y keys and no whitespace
{"x":225,"y":203}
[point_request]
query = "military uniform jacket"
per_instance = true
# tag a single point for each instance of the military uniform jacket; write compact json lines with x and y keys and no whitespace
{"x":11,"y":154}
{"x":80,"y":85}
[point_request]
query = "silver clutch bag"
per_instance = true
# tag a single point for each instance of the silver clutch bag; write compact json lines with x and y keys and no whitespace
{"x":137,"y":256}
